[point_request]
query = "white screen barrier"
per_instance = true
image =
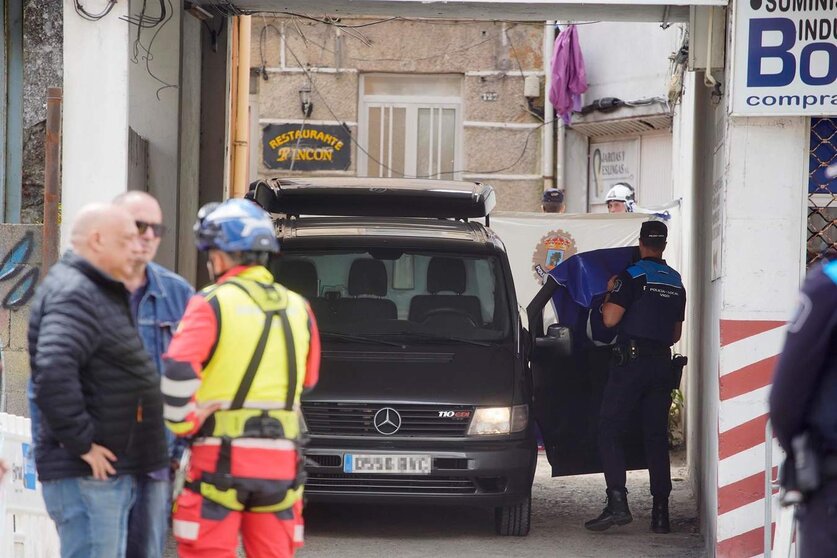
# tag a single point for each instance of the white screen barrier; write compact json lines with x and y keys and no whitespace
{"x":26,"y":531}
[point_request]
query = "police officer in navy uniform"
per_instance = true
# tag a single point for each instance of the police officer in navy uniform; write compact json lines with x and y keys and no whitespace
{"x":803,"y":400}
{"x":552,"y":201}
{"x":646,"y":303}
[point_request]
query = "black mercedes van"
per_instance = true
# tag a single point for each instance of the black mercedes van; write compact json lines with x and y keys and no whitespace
{"x":425,"y":393}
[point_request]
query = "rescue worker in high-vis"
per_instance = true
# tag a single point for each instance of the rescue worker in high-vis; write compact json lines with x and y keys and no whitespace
{"x":621,"y":198}
{"x":647,"y":305}
{"x":245,"y":350}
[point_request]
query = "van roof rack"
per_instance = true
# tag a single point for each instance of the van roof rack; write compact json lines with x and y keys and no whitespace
{"x":374,"y":197}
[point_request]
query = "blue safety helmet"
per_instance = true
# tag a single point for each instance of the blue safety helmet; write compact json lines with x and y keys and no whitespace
{"x":235,"y":226}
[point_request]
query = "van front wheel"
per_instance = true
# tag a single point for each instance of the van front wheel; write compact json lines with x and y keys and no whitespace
{"x":513,"y":521}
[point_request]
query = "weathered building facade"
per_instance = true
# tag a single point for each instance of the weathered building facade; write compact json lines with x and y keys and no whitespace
{"x":403,"y":97}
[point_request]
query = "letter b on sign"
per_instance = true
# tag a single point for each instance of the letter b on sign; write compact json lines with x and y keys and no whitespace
{"x":758,"y":52}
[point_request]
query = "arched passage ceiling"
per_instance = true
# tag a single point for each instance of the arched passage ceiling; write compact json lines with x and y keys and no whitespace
{"x":515,"y":10}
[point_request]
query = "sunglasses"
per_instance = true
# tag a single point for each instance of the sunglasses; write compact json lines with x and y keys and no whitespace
{"x":156,"y":228}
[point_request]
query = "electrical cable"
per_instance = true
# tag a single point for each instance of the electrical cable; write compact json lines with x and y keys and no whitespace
{"x":422,"y":58}
{"x":645,"y":102}
{"x":529,"y":107}
{"x":149,"y":56}
{"x":298,"y":141}
{"x":138,"y":40}
{"x":336,"y":22}
{"x":263,"y":40}
{"x":390,"y":169}
{"x":214,"y":33}
{"x":145,"y":22}
{"x":81,"y":11}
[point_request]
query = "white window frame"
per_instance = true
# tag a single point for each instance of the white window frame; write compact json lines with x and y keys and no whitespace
{"x":411,"y":103}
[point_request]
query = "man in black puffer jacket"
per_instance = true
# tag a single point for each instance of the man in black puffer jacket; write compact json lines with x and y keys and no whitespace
{"x":98,"y":391}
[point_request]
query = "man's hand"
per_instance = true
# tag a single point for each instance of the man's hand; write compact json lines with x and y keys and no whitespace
{"x":611,"y":283}
{"x":99,"y":459}
{"x":202,"y":413}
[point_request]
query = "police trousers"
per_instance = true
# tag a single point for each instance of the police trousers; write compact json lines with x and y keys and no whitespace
{"x":644,"y":383}
{"x":818,"y":523}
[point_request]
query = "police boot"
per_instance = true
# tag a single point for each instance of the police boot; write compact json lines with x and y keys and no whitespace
{"x":615,"y":513}
{"x":659,"y":516}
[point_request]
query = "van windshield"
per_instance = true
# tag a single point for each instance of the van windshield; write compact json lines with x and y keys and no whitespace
{"x":400,"y":295}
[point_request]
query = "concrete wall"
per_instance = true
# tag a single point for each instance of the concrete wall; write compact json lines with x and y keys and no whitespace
{"x":748,"y":261}
{"x":629,"y":62}
{"x":704,"y":306}
{"x":154,"y":113}
{"x":95,"y":126}
{"x":490,"y":56}
{"x":190,"y":137}
{"x":43,"y":64}
{"x":20,"y":252}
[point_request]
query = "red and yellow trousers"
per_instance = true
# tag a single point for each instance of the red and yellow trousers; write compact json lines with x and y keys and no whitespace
{"x":259,"y":499}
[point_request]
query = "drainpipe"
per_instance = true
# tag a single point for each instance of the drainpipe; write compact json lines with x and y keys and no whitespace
{"x":550,"y":172}
{"x":52,"y":178}
{"x":242,"y":119}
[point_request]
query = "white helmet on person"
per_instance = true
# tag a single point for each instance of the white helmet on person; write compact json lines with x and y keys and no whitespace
{"x":622,"y":192}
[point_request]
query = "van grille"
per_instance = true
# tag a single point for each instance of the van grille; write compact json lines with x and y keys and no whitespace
{"x":357,"y":419}
{"x":411,"y":484}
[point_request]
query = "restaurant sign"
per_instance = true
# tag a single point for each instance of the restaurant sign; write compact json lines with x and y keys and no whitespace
{"x":306,"y":148}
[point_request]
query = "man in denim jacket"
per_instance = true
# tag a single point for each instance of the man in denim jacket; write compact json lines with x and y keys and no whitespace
{"x":158,"y":300}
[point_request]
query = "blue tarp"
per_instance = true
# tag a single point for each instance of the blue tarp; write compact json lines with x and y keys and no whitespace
{"x":582,"y":281}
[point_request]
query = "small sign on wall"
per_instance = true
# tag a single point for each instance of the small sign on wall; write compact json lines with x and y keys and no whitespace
{"x":306,"y":148}
{"x":610,"y":163}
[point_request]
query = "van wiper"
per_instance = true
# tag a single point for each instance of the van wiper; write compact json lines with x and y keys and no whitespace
{"x":436,"y":337}
{"x":359,"y":339}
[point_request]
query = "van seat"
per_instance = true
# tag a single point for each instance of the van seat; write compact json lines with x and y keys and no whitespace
{"x":301,"y":277}
{"x":367,"y":287}
{"x":445,"y":275}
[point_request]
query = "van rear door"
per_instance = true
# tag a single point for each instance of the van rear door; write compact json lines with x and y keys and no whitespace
{"x":568,"y":397}
{"x":568,"y":391}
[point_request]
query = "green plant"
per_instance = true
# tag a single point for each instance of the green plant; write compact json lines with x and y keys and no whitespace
{"x":675,"y":419}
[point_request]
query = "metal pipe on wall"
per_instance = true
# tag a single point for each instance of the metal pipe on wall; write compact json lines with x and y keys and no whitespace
{"x":241,"y":161}
{"x":52,"y":178}
{"x":551,"y":178}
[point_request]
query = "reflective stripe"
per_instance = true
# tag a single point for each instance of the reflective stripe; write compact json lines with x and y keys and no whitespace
{"x":177,"y":414}
{"x":252,"y":443}
{"x":186,"y":530}
{"x":179,"y":388}
{"x":299,"y":533}
{"x":260,"y":405}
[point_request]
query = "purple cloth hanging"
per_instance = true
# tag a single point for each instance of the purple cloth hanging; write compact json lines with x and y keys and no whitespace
{"x":569,"y":78}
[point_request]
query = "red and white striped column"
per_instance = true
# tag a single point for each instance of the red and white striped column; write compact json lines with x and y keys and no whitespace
{"x":748,"y":355}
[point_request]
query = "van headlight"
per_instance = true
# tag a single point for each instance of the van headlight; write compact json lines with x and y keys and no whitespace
{"x":494,"y":421}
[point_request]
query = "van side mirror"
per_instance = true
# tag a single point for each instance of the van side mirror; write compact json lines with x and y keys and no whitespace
{"x":556,"y":343}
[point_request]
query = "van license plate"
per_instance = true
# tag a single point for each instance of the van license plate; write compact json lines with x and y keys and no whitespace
{"x":397,"y":464}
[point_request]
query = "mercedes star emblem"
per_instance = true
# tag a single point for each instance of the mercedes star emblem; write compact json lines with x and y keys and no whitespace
{"x":387,"y":421}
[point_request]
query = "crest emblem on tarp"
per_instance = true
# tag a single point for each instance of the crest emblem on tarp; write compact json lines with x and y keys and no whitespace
{"x":551,"y":251}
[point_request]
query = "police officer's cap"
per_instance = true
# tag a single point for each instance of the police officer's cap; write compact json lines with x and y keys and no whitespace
{"x":653,"y":230}
{"x":553,"y":195}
